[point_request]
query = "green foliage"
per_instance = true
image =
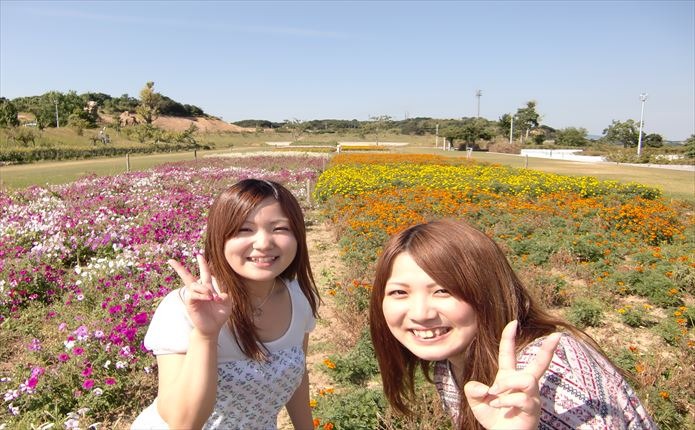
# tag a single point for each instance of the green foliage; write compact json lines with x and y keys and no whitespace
{"x":586,"y":313}
{"x":527,"y":118}
{"x":8,"y":113}
{"x":625,"y":133}
{"x":571,"y":136}
{"x":634,"y":317}
{"x":654,"y":140}
{"x":357,"y":409}
{"x":690,"y":146}
{"x":22,"y":136}
{"x":149,"y":103}
{"x":359,"y":365}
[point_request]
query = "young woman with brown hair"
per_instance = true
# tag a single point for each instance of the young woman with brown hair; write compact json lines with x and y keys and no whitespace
{"x":445,"y":299}
{"x":231,"y":345}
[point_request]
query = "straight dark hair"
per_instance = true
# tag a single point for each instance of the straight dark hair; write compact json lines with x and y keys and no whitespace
{"x":226,"y":217}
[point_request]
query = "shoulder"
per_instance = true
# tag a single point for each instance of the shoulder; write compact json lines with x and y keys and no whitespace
{"x":170,"y":325}
{"x":301,"y":309}
{"x":582,"y":388}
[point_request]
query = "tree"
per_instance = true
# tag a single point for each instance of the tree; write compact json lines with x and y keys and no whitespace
{"x":690,"y":146}
{"x":470,"y":131}
{"x":527,"y":118}
{"x":505,"y":124}
{"x":296,"y":127}
{"x":625,"y":133}
{"x":376,"y":125}
{"x":8,"y":114}
{"x":571,"y":136}
{"x":148,"y":108}
{"x":654,"y":140}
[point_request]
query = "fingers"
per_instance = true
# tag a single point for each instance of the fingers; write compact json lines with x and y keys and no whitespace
{"x":540,"y":363}
{"x":204,"y":270}
{"x":507,"y":355}
{"x":475,"y":392}
{"x":201,"y":292}
{"x":183,"y":273}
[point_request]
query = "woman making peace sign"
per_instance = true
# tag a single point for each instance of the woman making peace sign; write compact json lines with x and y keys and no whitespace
{"x":446,"y":299}
{"x":231,"y":345}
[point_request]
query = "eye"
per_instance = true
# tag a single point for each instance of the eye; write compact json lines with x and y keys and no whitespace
{"x":281,"y":228}
{"x":396,"y":293}
{"x":442,"y":292}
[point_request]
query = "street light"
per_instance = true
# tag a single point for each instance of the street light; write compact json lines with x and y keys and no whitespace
{"x":643,"y":98}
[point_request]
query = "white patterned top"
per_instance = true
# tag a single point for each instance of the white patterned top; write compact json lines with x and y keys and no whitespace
{"x":250,"y":394}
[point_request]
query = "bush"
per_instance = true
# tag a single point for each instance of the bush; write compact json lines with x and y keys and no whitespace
{"x":586,"y":313}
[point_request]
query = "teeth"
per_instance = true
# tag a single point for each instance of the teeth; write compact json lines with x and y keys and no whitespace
{"x":429,"y":334}
{"x":262,"y":259}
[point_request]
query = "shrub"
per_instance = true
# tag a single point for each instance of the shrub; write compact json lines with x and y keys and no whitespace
{"x":586,"y":313}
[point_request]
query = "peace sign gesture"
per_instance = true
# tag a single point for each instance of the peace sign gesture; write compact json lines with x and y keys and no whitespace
{"x":513,"y":401}
{"x":207,"y":307}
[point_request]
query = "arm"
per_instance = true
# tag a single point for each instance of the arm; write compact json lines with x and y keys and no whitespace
{"x":298,"y":406}
{"x":188,"y":383}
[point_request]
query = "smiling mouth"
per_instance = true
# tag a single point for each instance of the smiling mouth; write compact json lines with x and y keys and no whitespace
{"x":430,"y":334}
{"x":262,"y":260}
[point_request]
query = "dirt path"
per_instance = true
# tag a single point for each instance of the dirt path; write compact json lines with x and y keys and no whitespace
{"x":327,"y":268}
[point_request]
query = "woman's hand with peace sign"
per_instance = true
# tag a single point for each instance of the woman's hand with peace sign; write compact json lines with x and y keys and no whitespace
{"x":207,"y":307}
{"x":513,"y":401}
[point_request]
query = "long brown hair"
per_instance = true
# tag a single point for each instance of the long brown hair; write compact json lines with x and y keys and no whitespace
{"x":473,"y":268}
{"x":227,"y":214}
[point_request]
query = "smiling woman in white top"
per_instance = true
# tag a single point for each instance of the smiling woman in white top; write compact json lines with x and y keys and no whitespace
{"x":231,"y":345}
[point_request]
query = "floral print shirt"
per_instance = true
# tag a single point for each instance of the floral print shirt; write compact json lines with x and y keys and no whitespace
{"x":580,"y":390}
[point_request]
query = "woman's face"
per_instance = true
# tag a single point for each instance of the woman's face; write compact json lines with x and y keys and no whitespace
{"x":264,"y":246}
{"x":423,"y":316}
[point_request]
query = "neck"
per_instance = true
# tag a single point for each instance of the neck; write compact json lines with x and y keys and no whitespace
{"x":261,"y":290}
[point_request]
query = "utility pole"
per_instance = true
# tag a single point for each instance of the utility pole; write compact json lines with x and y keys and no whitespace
{"x":511,"y":131}
{"x":57,"y":122}
{"x":478,"y":94}
{"x":643,"y":98}
{"x":436,"y":136}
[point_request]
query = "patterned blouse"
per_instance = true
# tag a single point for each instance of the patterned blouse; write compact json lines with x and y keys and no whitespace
{"x":250,"y":394}
{"x":580,"y":390}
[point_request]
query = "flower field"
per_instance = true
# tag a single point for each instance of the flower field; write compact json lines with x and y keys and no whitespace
{"x":82,"y":267}
{"x":613,"y":258}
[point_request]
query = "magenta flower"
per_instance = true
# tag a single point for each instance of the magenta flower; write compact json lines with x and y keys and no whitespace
{"x":87,"y":372}
{"x":109,"y":381}
{"x":78,"y":350}
{"x":88,"y":384}
{"x":63,"y":357}
{"x":141,"y":318}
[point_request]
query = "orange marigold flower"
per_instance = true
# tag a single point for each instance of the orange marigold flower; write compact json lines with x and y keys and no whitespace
{"x":632,"y":348}
{"x":317,"y":422}
{"x":639,"y":367}
{"x":328,"y":426}
{"x":329,"y":363}
{"x":663,"y":394}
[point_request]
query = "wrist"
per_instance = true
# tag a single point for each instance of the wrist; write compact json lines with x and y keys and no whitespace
{"x":198,"y":336}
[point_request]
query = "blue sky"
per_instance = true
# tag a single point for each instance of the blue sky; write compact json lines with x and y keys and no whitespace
{"x":585,"y":63}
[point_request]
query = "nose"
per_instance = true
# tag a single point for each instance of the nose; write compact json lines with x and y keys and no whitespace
{"x":262,"y":240}
{"x":421,"y":309}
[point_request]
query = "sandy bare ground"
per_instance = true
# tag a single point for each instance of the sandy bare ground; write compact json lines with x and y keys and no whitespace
{"x":327,"y":266}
